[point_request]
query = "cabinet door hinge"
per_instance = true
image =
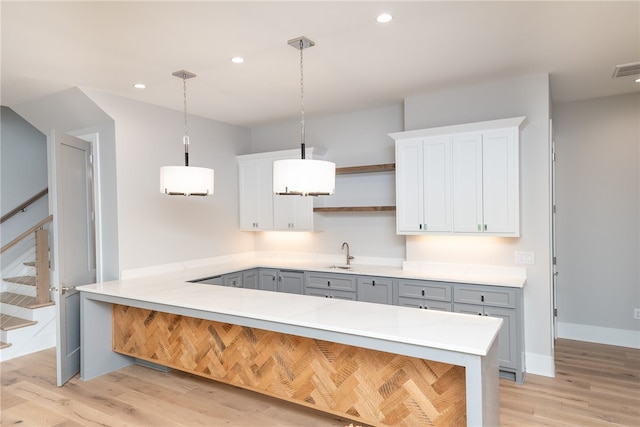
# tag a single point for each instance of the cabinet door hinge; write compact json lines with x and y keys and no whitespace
{"x":555,"y":260}
{"x":555,"y":312}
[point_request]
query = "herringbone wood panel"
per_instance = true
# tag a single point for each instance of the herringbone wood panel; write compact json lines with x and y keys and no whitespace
{"x":365,"y":385}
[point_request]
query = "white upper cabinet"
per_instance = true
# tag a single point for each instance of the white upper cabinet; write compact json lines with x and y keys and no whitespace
{"x":292,"y":213}
{"x":460,"y":179}
{"x":423,"y":185}
{"x":467,"y":182}
{"x":256,"y":194}
{"x":261,"y":209}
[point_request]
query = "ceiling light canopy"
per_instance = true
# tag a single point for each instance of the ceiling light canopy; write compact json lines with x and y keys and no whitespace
{"x":303,"y":177}
{"x":186,"y":180}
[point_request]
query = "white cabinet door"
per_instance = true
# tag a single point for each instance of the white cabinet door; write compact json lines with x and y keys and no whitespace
{"x":409,"y":187}
{"x":467,"y":183}
{"x":437,"y":184}
{"x":256,"y":194}
{"x":459,"y":179}
{"x":500,"y":181}
{"x":292,"y":213}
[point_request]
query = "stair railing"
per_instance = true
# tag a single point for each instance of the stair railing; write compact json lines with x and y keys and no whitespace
{"x":23,"y":206}
{"x":40,"y":235}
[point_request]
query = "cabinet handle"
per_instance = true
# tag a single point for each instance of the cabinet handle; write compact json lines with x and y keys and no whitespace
{"x":279,"y":278}
{"x":420,"y":226}
{"x":479,"y":228}
{"x":485,"y":227}
{"x":482,"y":298}
{"x":423,"y":292}
{"x":426,"y":226}
{"x":373,"y":283}
{"x":328,"y":283}
{"x":273,"y":278}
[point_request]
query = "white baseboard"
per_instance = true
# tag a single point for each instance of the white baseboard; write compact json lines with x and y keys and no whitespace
{"x":599,"y":335}
{"x":540,"y":365}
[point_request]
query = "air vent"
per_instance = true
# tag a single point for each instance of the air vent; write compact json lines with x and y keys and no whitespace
{"x":627,"y":70}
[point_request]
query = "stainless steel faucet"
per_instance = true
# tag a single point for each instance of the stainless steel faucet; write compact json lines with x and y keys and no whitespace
{"x":349,"y":257}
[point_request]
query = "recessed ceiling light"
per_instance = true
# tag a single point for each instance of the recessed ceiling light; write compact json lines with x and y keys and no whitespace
{"x":237,"y":60}
{"x":383,"y":18}
{"x":139,"y":85}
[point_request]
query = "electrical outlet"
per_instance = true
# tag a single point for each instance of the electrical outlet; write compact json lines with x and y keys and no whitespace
{"x":636,"y":313}
{"x":524,"y":258}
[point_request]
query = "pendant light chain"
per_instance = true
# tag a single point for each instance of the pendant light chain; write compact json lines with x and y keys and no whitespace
{"x":185,"y":138}
{"x":302,"y":132}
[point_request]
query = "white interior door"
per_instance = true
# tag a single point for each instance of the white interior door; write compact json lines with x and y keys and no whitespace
{"x":74,"y":244}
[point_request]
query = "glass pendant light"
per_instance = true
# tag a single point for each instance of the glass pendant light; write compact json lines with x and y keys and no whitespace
{"x":186,"y":180}
{"x":303,"y":177}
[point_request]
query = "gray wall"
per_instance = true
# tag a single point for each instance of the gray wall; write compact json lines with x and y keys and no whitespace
{"x":526,"y":96}
{"x":155,"y":229}
{"x":598,"y":218}
{"x":23,"y":173}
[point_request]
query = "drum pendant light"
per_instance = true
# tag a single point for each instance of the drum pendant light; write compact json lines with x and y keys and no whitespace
{"x":186,"y":180}
{"x":303,"y":177}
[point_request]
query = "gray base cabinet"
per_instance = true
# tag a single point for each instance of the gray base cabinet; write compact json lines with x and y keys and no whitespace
{"x":289,"y":281}
{"x":424,"y":294}
{"x":507,"y":304}
{"x":250,"y":279}
{"x":232,"y":279}
{"x":375,"y":289}
{"x":330,"y":285}
{"x":480,"y":300}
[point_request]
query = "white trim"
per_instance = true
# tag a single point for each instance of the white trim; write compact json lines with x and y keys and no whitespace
{"x":462,"y":128}
{"x":599,"y":335}
{"x":539,"y":364}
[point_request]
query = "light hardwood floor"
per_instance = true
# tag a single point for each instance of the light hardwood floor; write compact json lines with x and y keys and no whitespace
{"x":595,"y":385}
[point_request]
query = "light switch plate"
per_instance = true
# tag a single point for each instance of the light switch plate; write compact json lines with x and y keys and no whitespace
{"x":636,"y":313}
{"x":524,"y":257}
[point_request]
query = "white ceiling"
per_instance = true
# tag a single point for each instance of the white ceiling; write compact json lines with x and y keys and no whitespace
{"x":356,"y":63}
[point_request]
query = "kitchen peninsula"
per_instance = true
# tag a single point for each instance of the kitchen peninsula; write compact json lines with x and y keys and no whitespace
{"x":373,"y":363}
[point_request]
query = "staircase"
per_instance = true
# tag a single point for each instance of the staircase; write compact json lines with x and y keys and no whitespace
{"x":27,"y":313}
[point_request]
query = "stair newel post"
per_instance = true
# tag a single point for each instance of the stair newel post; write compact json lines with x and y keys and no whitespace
{"x":42,"y":266}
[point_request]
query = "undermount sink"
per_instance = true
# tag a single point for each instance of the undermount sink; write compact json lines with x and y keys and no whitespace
{"x":340,"y":267}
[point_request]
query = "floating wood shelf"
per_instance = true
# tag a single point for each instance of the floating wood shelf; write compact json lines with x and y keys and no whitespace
{"x":386,"y":167}
{"x":356,"y":209}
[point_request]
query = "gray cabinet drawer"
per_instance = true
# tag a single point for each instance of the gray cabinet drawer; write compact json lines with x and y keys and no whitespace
{"x":424,"y":290}
{"x":490,"y":296}
{"x":330,"y":281}
{"x":424,"y":304}
{"x":331,"y":293}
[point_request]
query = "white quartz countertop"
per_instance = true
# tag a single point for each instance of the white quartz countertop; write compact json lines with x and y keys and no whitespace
{"x":457,"y":273}
{"x":432,"y":329}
